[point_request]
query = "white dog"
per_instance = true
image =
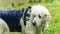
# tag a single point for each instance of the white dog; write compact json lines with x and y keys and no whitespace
{"x":38,"y":21}
{"x":4,"y":29}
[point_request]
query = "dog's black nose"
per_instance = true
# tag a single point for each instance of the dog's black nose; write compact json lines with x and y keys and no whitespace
{"x":34,"y":23}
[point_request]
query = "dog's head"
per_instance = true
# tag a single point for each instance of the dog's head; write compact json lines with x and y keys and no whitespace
{"x":38,"y":15}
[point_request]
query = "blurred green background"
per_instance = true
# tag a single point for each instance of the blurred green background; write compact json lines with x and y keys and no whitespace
{"x":52,"y":5}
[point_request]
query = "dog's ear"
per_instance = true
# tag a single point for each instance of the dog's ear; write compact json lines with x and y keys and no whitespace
{"x":29,"y":6}
{"x":25,"y":14}
{"x":47,"y":17}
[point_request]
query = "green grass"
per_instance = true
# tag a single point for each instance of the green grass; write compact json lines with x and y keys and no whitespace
{"x":15,"y":33}
{"x":54,"y":25}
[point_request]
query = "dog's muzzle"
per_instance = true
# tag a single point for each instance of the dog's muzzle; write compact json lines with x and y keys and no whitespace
{"x":34,"y":23}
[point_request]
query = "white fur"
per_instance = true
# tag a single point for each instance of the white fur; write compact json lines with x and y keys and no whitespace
{"x":42,"y":11}
{"x":4,"y":29}
{"x":22,"y":25}
{"x":39,"y":15}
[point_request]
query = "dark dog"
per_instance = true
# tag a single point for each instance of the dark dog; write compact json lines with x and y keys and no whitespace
{"x":12,"y":18}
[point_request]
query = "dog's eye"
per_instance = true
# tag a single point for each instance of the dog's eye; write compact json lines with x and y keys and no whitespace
{"x":39,"y":16}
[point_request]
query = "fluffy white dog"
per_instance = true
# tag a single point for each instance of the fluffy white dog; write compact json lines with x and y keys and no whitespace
{"x":4,"y":29}
{"x":38,"y":21}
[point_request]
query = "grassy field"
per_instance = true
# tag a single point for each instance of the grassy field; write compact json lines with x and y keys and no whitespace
{"x":54,"y":25}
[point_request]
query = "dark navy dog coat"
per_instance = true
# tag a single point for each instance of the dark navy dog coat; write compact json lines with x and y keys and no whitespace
{"x":12,"y":18}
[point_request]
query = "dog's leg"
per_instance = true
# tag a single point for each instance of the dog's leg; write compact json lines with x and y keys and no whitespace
{"x":39,"y":30}
{"x":1,"y":28}
{"x":4,"y":29}
{"x":30,"y":29}
{"x":22,"y":25}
